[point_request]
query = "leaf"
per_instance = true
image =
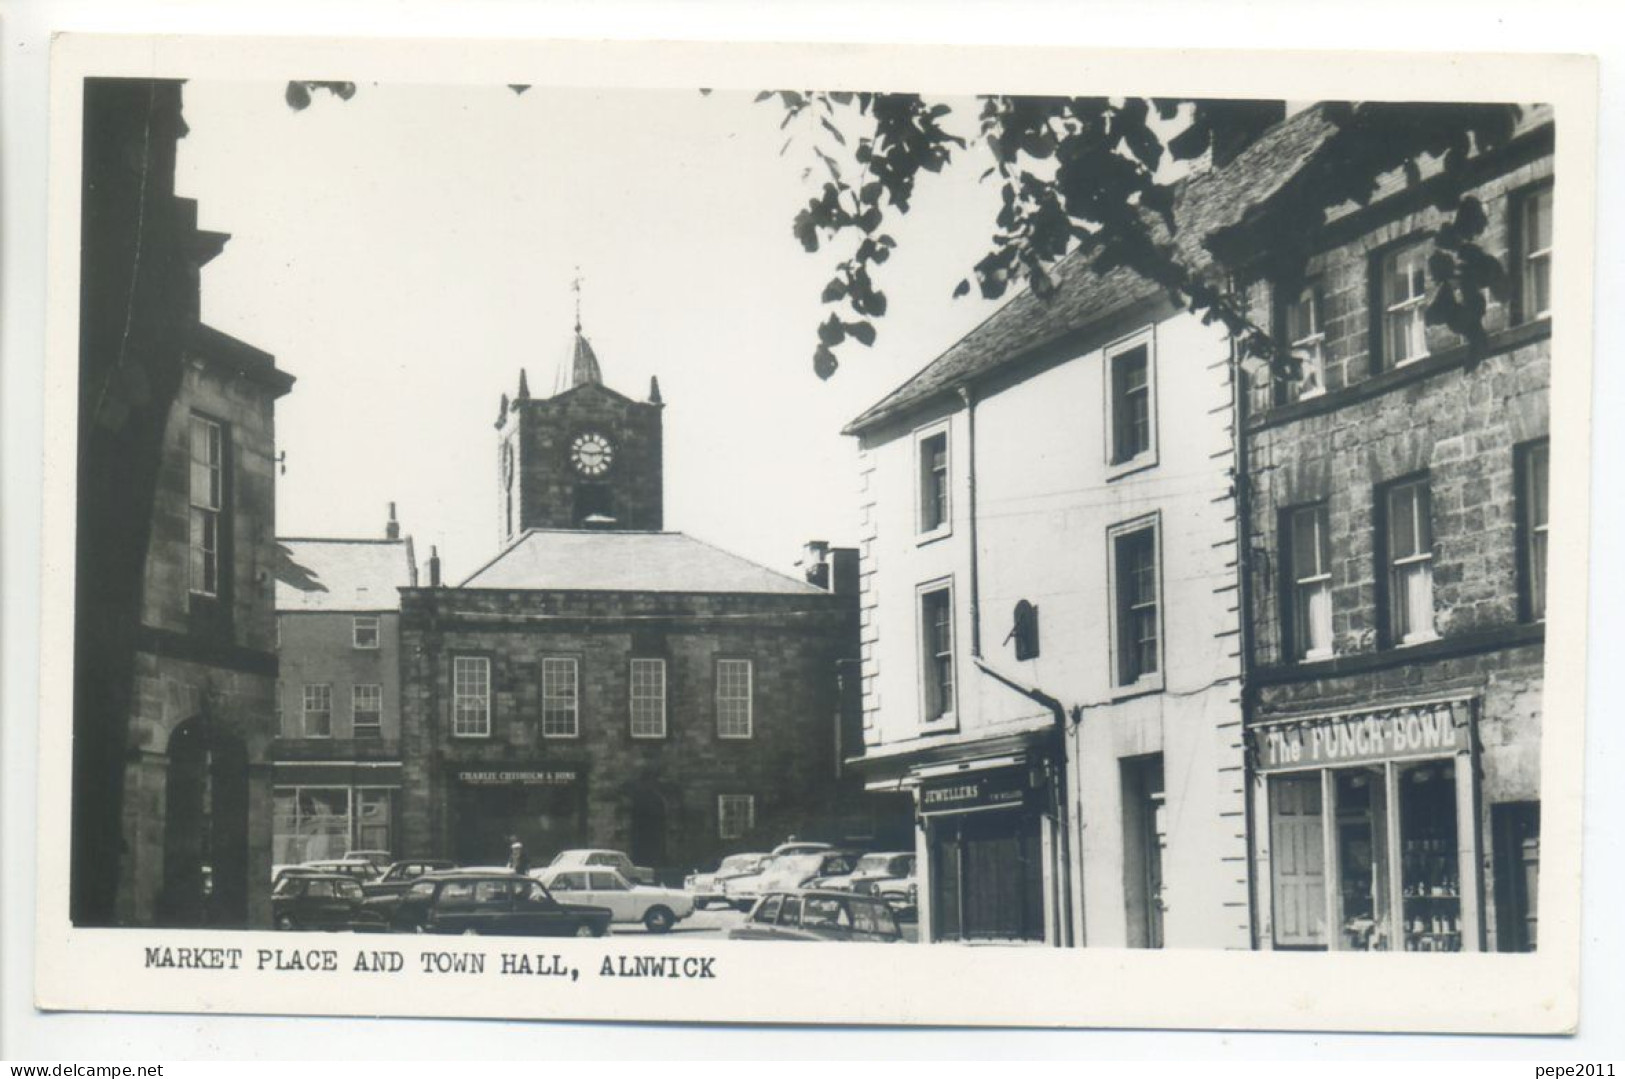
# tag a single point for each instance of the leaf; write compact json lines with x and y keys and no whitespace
{"x":962,"y":289}
{"x":824,"y":362}
{"x":831,"y":332}
{"x":864,"y":332}
{"x":832,"y":129}
{"x":834,"y":292}
{"x":297,"y":96}
{"x":763,"y":96}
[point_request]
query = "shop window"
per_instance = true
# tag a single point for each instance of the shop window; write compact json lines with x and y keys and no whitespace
{"x":648,"y":698}
{"x":734,"y":684}
{"x":1408,"y":552}
{"x":937,"y":654}
{"x":207,"y":491}
{"x":932,"y":459}
{"x":471,"y":697}
{"x":364,"y":631}
{"x":1402,"y":296}
{"x":736,"y":815}
{"x":309,"y":823}
{"x":1394,"y":848}
{"x":1131,"y":417}
{"x":560,"y":697}
{"x":318,"y":711}
{"x":367,"y":711}
{"x":1137,"y":608}
{"x":1301,"y":325}
{"x":1308,"y":614}
{"x":1534,"y":210}
{"x":1533,"y":523}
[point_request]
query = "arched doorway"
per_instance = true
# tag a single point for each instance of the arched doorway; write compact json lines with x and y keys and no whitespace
{"x":205,"y":828}
{"x":649,"y":828}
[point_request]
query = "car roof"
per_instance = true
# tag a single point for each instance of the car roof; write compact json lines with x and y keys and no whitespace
{"x":823,"y":893}
{"x":345,"y":877}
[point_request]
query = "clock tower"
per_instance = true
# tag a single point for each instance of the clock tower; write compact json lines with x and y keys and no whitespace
{"x":585,"y":458}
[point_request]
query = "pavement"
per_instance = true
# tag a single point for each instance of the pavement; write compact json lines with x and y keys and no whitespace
{"x":714,"y":925}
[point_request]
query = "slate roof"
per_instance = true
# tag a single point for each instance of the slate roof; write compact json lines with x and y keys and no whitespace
{"x":1202,"y":203}
{"x":606,"y":561}
{"x":342,"y":574}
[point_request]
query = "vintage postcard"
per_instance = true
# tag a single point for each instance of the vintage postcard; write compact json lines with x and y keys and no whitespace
{"x":537,"y":530}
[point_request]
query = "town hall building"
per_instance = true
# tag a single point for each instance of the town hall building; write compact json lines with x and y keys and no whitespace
{"x":602,"y":682}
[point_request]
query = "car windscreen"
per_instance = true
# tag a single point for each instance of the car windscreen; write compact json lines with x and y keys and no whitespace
{"x":740,"y":863}
{"x":873,"y":863}
{"x":287,"y":885}
{"x":820,"y":912}
{"x":347,"y":889}
{"x":798,"y":863}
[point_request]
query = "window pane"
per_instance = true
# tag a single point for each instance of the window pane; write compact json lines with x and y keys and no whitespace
{"x":933,"y":482}
{"x":1402,"y":522}
{"x":559,"y":697}
{"x":734,"y":698}
{"x":649,"y":698}
{"x":1131,"y":404}
{"x":937,"y":666}
{"x":1137,"y":616}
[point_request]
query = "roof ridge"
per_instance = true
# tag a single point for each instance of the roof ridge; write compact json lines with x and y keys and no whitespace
{"x":402,"y":541}
{"x":748,"y":561}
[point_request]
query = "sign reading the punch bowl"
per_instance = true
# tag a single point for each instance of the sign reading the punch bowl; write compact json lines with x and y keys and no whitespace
{"x":1434,"y":729}
{"x":997,"y":789}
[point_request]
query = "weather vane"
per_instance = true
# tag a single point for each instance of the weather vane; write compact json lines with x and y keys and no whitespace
{"x":575,"y":286}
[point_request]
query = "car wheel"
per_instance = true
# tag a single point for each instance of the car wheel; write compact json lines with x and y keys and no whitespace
{"x":286,"y":922}
{"x":659,"y":920}
{"x":585,"y":929}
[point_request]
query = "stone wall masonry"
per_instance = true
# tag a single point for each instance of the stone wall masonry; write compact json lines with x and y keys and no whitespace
{"x":788,"y":763}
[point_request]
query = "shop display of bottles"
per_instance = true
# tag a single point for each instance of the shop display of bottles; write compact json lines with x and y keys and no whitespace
{"x":1432,"y":895}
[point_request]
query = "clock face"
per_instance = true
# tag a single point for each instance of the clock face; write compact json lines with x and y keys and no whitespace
{"x":591,"y":453}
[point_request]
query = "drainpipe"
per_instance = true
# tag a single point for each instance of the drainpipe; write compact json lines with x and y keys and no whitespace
{"x":970,"y":477}
{"x":1243,"y":504}
{"x":1063,"y":935}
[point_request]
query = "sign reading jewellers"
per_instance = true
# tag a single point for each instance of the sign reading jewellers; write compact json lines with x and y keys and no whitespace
{"x":997,"y":789}
{"x":517,"y":779}
{"x":1434,"y":729}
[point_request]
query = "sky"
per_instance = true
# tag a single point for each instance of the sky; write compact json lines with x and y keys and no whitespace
{"x":406,"y":252}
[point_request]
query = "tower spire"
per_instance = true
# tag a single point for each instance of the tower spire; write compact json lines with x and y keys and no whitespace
{"x":575,"y":286}
{"x":581,"y":369}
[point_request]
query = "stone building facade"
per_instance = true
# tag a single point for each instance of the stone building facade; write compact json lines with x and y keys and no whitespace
{"x":338,"y":749}
{"x":175,"y":662}
{"x":1396,"y":523}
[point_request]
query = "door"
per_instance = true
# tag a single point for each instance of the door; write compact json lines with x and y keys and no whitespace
{"x":649,"y":830}
{"x":1516,"y":829}
{"x":607,"y":888}
{"x":205,"y":828}
{"x":1145,"y":836}
{"x":1298,"y":861}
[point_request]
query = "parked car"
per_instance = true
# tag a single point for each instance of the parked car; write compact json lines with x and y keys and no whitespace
{"x":612,"y":859}
{"x":657,"y":908}
{"x":869,"y":871}
{"x":902,"y":895}
{"x":400,"y":875}
{"x":357,"y":869}
{"x":494,"y":904}
{"x":380,"y":859}
{"x":833,"y":916}
{"x":321,"y":901}
{"x":788,"y":872}
{"x":796,"y":846}
{"x":707,"y":888}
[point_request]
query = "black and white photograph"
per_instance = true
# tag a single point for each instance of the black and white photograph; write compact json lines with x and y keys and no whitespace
{"x":1013,"y":535}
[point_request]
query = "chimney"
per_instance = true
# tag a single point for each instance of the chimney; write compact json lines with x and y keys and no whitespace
{"x":434,"y":567}
{"x":392,"y":530}
{"x":814,"y":563}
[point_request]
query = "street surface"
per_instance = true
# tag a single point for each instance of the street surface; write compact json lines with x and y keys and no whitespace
{"x":714,"y":924}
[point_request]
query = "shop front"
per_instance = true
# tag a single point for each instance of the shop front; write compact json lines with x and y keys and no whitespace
{"x":545,"y":808}
{"x":1366,"y":834}
{"x":986,"y":836}
{"x":325,"y":811}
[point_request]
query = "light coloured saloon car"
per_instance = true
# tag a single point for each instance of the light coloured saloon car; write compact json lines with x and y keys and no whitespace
{"x":657,"y":908}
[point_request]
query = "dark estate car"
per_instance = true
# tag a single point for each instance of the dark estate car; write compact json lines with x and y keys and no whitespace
{"x":838,"y":916}
{"x":321,"y":901}
{"x":495,"y":904}
{"x":400,"y":875}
